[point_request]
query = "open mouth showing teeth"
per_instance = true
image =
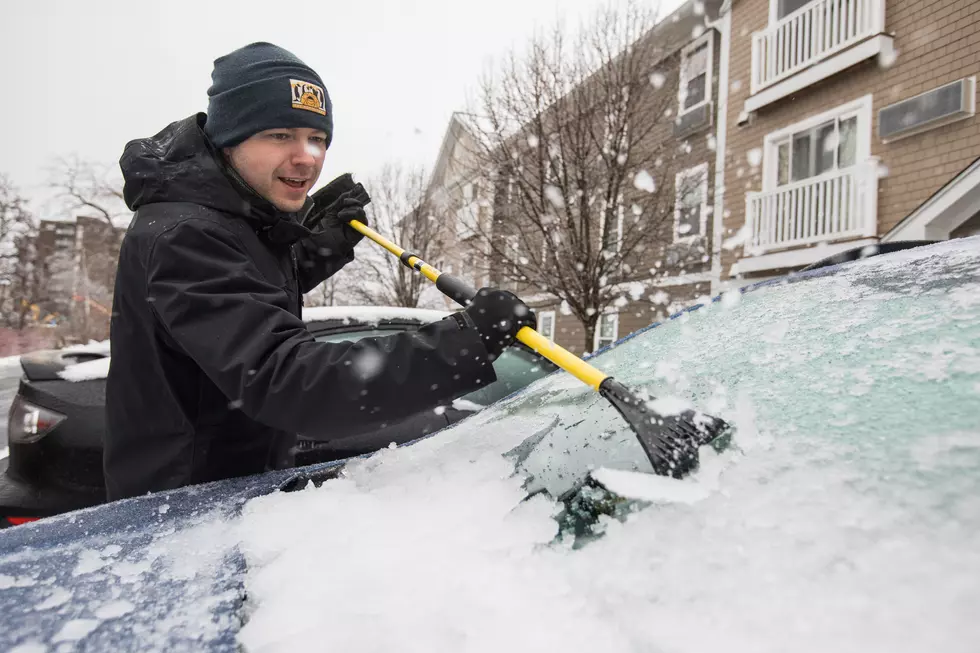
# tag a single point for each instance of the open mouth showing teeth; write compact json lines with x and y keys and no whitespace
{"x":293,"y":183}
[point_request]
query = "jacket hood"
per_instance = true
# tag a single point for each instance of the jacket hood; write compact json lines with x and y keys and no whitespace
{"x":180,"y":164}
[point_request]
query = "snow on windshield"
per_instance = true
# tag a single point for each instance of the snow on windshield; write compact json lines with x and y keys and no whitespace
{"x":846,"y":517}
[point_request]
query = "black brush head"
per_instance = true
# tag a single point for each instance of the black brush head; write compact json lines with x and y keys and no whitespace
{"x":671,"y":442}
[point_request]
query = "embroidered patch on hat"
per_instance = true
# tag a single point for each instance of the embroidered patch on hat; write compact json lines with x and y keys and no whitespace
{"x":308,"y":96}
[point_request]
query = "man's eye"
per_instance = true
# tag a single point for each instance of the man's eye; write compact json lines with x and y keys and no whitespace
{"x":280,"y":136}
{"x":318,"y":139}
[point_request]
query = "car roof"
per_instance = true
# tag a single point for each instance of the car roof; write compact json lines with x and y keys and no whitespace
{"x":371,"y":314}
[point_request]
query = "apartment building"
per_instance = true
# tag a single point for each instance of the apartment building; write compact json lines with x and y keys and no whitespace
{"x":460,"y":192}
{"x":849,"y":122}
{"x":684,"y":64}
{"x":79,"y":262}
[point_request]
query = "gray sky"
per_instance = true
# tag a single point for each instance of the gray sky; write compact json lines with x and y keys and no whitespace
{"x":86,"y":76}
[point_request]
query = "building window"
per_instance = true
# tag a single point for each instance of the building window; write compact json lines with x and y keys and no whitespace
{"x":468,"y":215}
{"x":783,"y":8}
{"x":696,"y":72}
{"x":835,"y":140}
{"x":691,"y":203}
{"x":546,"y":324}
{"x":607,"y":330}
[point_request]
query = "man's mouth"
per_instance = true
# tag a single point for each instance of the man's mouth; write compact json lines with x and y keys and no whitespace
{"x":293,"y":182}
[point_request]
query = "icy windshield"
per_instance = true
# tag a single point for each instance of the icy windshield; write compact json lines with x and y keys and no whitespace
{"x":864,"y":361}
{"x":844,"y":518}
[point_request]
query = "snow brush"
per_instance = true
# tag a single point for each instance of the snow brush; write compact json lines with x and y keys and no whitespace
{"x":670,"y":441}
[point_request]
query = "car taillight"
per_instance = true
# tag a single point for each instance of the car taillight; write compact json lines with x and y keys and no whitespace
{"x":28,"y":423}
{"x":20,"y":521}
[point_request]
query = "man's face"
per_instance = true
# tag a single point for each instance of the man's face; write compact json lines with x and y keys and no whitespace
{"x":281,"y":164}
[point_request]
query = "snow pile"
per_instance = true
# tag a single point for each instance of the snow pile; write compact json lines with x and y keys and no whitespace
{"x":92,"y":347}
{"x":846,"y":517}
{"x":87,"y":371}
{"x":371,"y":315}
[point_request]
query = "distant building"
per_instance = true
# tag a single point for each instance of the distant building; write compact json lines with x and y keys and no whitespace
{"x":79,"y":262}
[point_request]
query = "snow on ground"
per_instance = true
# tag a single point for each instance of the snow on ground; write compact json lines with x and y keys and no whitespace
{"x":4,"y":452}
{"x":846,"y":518}
{"x":10,"y":366}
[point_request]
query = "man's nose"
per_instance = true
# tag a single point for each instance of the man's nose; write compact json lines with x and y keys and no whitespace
{"x":304,"y":154}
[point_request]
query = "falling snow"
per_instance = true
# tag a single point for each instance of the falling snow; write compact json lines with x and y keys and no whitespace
{"x":644,"y":181}
{"x":553,"y":195}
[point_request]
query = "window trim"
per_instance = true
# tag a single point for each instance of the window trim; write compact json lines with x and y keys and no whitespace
{"x":707,"y":37}
{"x":620,"y":214}
{"x":679,"y":181}
{"x":554,"y":322}
{"x":598,"y":330}
{"x":860,"y":107}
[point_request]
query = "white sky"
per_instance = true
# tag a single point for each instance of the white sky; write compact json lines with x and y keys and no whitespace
{"x":86,"y":76}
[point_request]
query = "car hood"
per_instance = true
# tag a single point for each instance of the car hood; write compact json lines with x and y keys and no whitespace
{"x":845,"y":517}
{"x":156,"y":573}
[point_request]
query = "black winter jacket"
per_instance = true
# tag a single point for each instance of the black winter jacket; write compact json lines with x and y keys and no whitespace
{"x":213,"y":372}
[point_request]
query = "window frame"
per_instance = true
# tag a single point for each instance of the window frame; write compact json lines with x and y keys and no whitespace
{"x":620,"y":214}
{"x":774,"y":11}
{"x":551,"y":314}
{"x":707,"y":37}
{"x":680,"y":181}
{"x":598,"y":330}
{"x":861,"y":108}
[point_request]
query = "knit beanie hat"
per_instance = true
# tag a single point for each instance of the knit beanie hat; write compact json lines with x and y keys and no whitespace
{"x":263,"y":86}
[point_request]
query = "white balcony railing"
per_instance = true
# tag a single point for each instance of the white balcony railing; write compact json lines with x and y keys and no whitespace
{"x":837,"y":205}
{"x":811,"y":33}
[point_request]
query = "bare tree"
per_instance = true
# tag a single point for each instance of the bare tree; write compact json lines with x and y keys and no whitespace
{"x":402,"y":211}
{"x":331,"y":292}
{"x":577,"y":134}
{"x":88,"y":187}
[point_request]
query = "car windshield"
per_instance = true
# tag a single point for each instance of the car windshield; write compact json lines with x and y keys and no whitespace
{"x":879,"y":361}
{"x":516,"y":367}
{"x":847,"y":501}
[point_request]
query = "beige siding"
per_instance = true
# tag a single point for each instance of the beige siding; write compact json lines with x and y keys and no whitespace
{"x":937,"y":42}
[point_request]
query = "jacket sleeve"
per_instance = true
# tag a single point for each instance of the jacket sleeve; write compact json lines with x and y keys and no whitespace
{"x":313,"y":268}
{"x":215,"y":303}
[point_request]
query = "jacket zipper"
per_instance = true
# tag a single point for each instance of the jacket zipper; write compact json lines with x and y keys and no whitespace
{"x":299,"y":294}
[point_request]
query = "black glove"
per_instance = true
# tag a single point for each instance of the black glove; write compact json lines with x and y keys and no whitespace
{"x":498,"y":315}
{"x":334,"y":206}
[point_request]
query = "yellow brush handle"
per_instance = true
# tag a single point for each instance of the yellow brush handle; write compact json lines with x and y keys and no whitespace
{"x":427,"y":270}
{"x":562,"y":357}
{"x":555,"y":353}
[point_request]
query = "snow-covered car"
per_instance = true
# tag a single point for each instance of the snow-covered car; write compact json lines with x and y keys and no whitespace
{"x":57,"y":419}
{"x":845,"y":516}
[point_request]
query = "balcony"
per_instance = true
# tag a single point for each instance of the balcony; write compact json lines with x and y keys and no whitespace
{"x":812,"y":43}
{"x":838,"y":205}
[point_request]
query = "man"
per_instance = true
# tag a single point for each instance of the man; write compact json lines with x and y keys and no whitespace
{"x":213,"y":371}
